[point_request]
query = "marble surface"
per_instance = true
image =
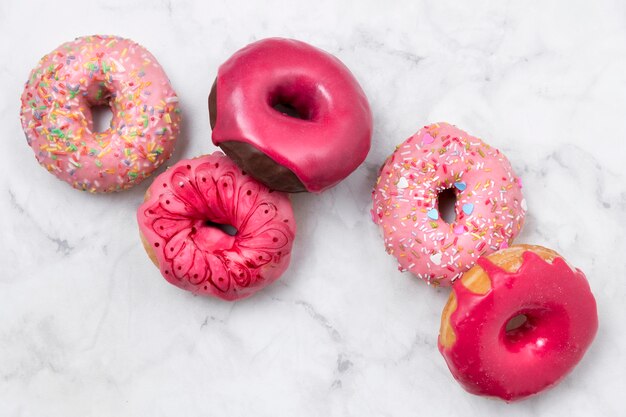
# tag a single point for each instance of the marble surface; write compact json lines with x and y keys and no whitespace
{"x":89,"y":328}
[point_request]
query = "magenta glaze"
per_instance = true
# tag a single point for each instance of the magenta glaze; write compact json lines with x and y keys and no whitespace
{"x":202,"y":258}
{"x":562,"y":322}
{"x":320,"y":151}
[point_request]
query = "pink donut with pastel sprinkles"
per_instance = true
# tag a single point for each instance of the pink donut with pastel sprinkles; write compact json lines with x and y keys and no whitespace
{"x":489,"y":208}
{"x":94,"y":71}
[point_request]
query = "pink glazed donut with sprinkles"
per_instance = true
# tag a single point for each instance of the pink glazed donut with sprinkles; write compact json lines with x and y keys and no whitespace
{"x":490,"y":208}
{"x":95,"y":71}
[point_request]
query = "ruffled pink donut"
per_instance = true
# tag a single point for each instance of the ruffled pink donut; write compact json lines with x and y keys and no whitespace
{"x":182,"y":226}
{"x":94,"y":71}
{"x":489,"y":208}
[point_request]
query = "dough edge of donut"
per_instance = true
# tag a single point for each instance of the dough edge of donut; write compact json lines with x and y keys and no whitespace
{"x":144,"y":241}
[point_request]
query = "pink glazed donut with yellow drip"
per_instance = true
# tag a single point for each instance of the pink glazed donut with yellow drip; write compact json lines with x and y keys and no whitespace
{"x":517,"y":323}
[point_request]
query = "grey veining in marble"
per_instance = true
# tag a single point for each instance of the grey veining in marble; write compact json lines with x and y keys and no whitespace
{"x":89,"y":328}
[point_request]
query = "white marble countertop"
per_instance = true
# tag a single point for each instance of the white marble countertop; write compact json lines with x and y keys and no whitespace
{"x":89,"y":328}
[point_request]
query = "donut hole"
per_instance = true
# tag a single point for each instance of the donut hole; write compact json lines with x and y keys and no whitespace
{"x":515,"y":323}
{"x":536,"y":329}
{"x":288,"y":109}
{"x":446,"y":205}
{"x":519,"y":331}
{"x":102,"y":116}
{"x":226,"y":228}
{"x":295,"y":98}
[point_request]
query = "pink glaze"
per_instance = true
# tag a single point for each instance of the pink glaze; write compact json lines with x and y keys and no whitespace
{"x":489,"y":210}
{"x":321,"y":150}
{"x":95,"y":71}
{"x":202,"y":258}
{"x":562,"y":321}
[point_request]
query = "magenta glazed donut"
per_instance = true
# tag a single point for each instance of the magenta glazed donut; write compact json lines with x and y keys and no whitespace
{"x":214,"y":230}
{"x":490,"y":208}
{"x":100,"y":71}
{"x":291,"y":115}
{"x":517,"y":323}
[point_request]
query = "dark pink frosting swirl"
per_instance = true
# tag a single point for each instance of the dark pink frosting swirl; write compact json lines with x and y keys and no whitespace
{"x":180,"y":222}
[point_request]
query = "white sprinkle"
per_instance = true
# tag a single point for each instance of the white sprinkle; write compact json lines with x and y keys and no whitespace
{"x":118,"y":65}
{"x":436,"y":258}
{"x":402,"y":183}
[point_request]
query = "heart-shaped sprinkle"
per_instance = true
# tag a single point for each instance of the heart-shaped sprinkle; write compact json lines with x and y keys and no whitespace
{"x":427,"y":139}
{"x":460,"y":185}
{"x":504,"y":245}
{"x":459,"y":229}
{"x":524,"y":205}
{"x":436,"y":258}
{"x":402,"y":183}
{"x":468,"y":208}
{"x":433,"y":214}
